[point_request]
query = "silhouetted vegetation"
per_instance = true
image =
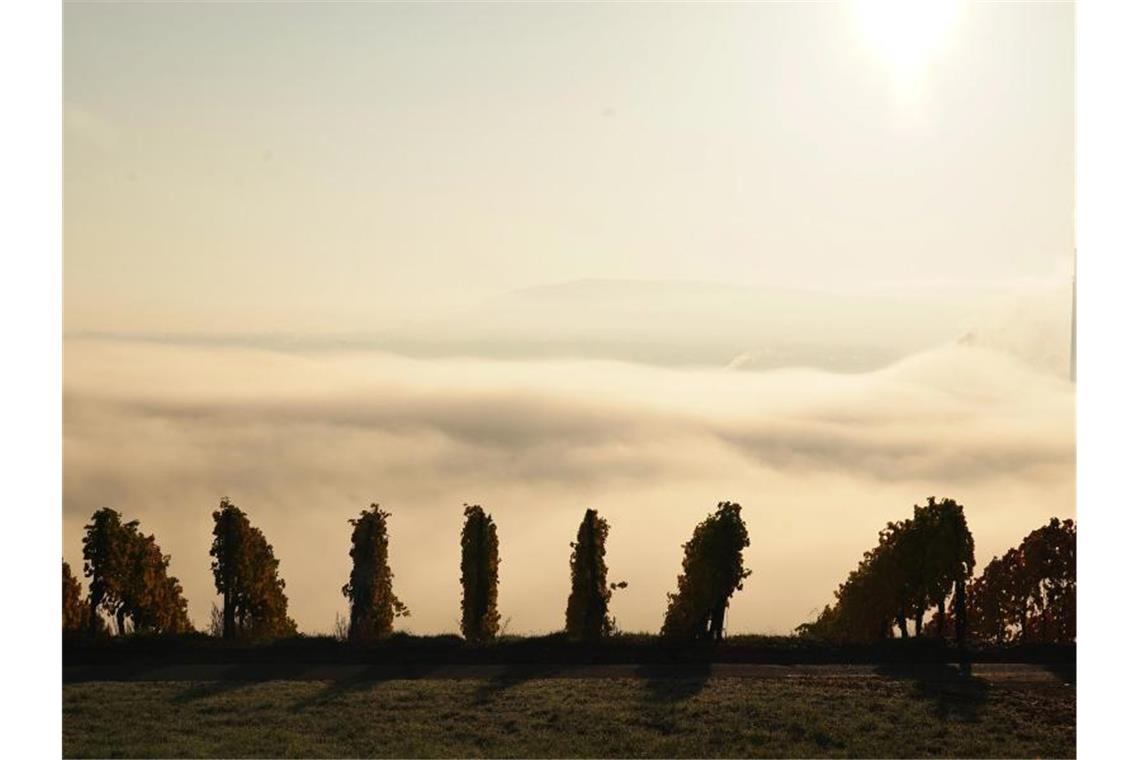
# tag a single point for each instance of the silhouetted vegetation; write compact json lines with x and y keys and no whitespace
{"x":713,"y":568}
{"x":245,"y":574}
{"x":917,"y":564}
{"x":587,"y":609}
{"x":74,"y":610}
{"x":104,"y":554}
{"x":260,"y":689}
{"x":369,"y":588}
{"x":1025,"y":597}
{"x":479,"y":575}
{"x":128,"y":579}
{"x":404,"y":653}
{"x":1029,"y":593}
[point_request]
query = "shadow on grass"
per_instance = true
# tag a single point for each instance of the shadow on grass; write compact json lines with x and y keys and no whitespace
{"x":510,"y":676}
{"x":216,"y":681}
{"x":494,"y":680}
{"x":953,"y":689}
{"x":667,"y":689}
{"x":207,"y":689}
{"x":668,"y":684}
{"x":362,"y":679}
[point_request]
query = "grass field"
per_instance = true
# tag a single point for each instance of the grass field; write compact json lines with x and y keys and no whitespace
{"x":859,"y":716}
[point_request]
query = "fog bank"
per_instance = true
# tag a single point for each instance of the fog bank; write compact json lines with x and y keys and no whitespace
{"x":302,"y":442}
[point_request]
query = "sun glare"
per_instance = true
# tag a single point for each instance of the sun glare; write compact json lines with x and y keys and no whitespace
{"x":905,"y":33}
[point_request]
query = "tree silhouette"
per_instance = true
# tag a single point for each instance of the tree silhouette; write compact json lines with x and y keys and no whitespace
{"x":1030,"y":592}
{"x":74,"y":610}
{"x":152,"y":599}
{"x":945,"y":555}
{"x":961,"y":612}
{"x":230,"y":528}
{"x":369,"y":587}
{"x":992,"y":601}
{"x":1050,"y":554}
{"x":245,"y":574}
{"x":873,"y":598}
{"x":587,"y":609}
{"x":105,"y":551}
{"x":957,"y":619}
{"x":479,"y":575}
{"x":917,"y":564}
{"x":899,"y":579}
{"x":712,"y":569}
{"x":128,"y":578}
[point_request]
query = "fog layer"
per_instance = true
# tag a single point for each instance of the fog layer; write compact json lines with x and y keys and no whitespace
{"x":303,"y":441}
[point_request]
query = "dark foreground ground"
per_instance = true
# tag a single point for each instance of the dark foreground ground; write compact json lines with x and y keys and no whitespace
{"x":484,"y":710}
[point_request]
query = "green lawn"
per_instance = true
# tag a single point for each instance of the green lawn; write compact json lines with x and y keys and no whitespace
{"x":595,"y":717}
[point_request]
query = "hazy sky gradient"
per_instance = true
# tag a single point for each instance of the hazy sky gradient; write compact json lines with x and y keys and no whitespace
{"x":635,"y":257}
{"x":236,"y":167}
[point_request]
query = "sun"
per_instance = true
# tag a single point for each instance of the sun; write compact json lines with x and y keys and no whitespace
{"x":905,"y":33}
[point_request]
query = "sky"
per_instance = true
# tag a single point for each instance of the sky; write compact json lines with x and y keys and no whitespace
{"x":298,"y":166}
{"x":638,"y":257}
